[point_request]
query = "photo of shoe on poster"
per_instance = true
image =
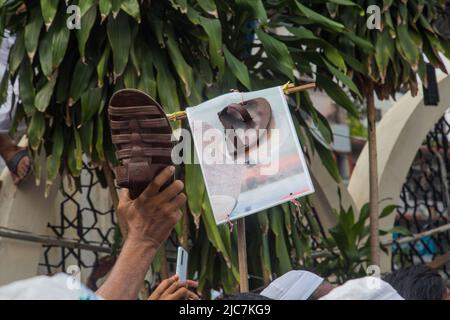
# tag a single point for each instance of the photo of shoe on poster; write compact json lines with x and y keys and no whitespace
{"x":249,"y":152}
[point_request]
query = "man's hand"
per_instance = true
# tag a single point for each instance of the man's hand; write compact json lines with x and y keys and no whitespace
{"x":173,"y":289}
{"x":151,"y":217}
{"x":149,"y":220}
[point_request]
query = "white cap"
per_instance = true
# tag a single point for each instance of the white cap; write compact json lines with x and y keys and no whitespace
{"x":293,"y":285}
{"x":367,"y":288}
{"x":58,"y":287}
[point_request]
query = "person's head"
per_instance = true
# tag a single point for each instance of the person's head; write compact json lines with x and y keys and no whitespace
{"x":418,"y":283}
{"x":323,"y":289}
{"x":297,"y":285}
{"x":243,"y":296}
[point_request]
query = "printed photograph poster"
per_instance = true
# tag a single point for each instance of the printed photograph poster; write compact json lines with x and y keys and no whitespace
{"x":250,"y":159}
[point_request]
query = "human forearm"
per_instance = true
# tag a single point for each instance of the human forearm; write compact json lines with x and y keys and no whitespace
{"x":127,"y":275}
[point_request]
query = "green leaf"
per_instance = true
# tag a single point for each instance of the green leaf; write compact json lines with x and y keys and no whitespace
{"x":327,"y":160}
{"x":384,"y":52}
{"x":147,"y":81}
{"x":335,"y":58}
{"x":388,"y":210}
{"x":90,"y":103}
{"x":320,"y":19}
{"x":130,"y":77}
{"x":181,"y":66}
{"x":48,"y":9}
{"x":78,"y":150}
{"x":407,"y":47}
{"x":36,"y":130}
{"x":60,"y":41}
{"x":85,"y":6}
{"x":195,"y":188}
{"x":213,"y":29}
{"x":238,"y":68}
{"x":212,"y":230}
{"x":87,"y":22}
{"x":166,"y":85}
{"x":256,"y":7}
{"x":278,"y":52}
{"x":102,"y":66}
{"x":208,"y":6}
{"x":80,"y":81}
{"x":344,"y":2}
{"x":105,"y":8}
{"x":132,"y":8}
{"x":342,"y":77}
{"x":115,"y":6}
{"x":99,"y":137}
{"x":32,"y":31}
{"x":43,"y":97}
{"x":364,"y":44}
{"x":337,"y":94}
{"x":53,"y":162}
{"x":281,"y":249}
{"x":119,"y":35}
{"x":86,"y":136}
{"x":17,"y":53}
{"x":46,"y":55}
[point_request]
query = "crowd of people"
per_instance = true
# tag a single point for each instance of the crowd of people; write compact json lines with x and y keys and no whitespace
{"x":150,"y":219}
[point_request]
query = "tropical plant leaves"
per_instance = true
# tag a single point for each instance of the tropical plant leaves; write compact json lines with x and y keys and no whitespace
{"x":320,"y":19}
{"x":238,"y":68}
{"x":32,"y":31}
{"x":36,"y":130}
{"x":48,"y":9}
{"x":119,"y":36}
{"x":278,"y":52}
{"x":87,"y":22}
{"x":43,"y":96}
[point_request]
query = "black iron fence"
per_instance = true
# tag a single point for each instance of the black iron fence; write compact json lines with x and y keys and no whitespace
{"x":425,"y":202}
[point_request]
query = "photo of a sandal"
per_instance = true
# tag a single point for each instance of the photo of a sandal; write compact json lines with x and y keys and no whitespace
{"x":251,"y":114}
{"x":142,"y":135}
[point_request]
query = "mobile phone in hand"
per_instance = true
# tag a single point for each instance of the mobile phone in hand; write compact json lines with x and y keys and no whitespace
{"x":182,"y":264}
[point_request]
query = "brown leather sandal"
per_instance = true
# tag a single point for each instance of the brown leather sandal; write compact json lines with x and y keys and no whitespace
{"x":250,"y":114}
{"x":142,"y":135}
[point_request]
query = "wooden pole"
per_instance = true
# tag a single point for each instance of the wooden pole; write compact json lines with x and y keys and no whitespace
{"x":304,"y":87}
{"x":242,"y":255}
{"x":373,"y":178}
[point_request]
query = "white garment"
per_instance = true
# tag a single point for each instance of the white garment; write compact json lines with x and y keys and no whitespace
{"x":58,"y":287}
{"x":293,"y":285}
{"x":367,"y":288}
{"x":6,"y":110}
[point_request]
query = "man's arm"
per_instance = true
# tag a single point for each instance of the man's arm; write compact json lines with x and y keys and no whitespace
{"x":127,"y":275}
{"x":150,"y":218}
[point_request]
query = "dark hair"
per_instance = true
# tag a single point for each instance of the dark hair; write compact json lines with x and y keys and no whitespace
{"x":417,"y":283}
{"x":243,"y":296}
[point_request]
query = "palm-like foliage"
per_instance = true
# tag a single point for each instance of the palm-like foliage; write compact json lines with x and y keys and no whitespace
{"x":182,"y":52}
{"x":406,"y":38}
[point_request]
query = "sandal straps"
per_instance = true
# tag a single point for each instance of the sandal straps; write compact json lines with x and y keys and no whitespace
{"x":134,"y":111}
{"x":239,"y":109}
{"x":145,"y":137}
{"x":143,"y":123}
{"x":146,"y":152}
